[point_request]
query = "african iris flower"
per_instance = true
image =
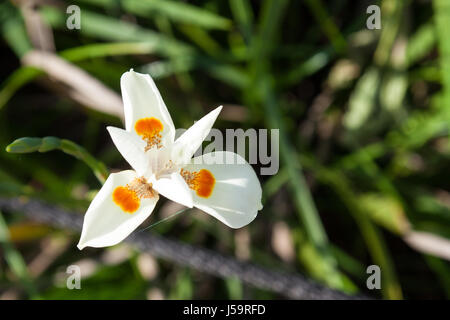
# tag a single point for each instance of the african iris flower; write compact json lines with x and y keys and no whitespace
{"x":227,"y":190}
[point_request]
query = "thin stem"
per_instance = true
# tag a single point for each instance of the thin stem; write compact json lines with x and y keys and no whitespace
{"x":165,"y":219}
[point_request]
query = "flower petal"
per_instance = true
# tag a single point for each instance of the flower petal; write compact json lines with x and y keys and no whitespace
{"x":174,"y":188}
{"x":235,"y":198}
{"x":186,"y":145}
{"x":105,"y":223}
{"x":142,"y":100}
{"x":131,"y":148}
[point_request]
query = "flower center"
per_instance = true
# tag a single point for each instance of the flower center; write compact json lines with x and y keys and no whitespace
{"x":165,"y":168}
{"x":128,"y":198}
{"x":202,"y":181}
{"x":150,"y":130}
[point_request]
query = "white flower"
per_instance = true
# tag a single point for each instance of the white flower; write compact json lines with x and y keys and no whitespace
{"x":228,"y":192}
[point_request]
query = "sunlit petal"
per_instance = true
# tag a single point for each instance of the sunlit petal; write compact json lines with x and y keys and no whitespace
{"x":230,"y":192}
{"x":186,"y":145}
{"x":106,"y":223}
{"x":131,"y":148}
{"x":142,"y":101}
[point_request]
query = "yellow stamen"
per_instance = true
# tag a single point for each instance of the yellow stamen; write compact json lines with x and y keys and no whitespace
{"x":202,"y":181}
{"x":150,"y":130}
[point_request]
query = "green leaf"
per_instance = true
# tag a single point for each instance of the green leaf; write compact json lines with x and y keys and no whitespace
{"x":319,"y":268}
{"x":386,"y":211}
{"x":393,"y":90}
{"x":265,"y":96}
{"x":15,"y":260}
{"x":327,"y":24}
{"x":13,"y":30}
{"x":442,"y":18}
{"x":362,"y":101}
{"x":100,"y":50}
{"x":234,"y":288}
{"x":15,"y":81}
{"x":183,"y":288}
{"x":226,"y":73}
{"x":11,"y":186}
{"x":306,"y":68}
{"x":177,"y":12}
{"x":392,"y":12}
{"x":372,"y":236}
{"x":243,"y":14}
{"x":110,"y":29}
{"x":421,"y":43}
{"x":26,"y":74}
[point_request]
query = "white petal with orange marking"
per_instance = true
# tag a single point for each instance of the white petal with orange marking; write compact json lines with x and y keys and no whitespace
{"x":131,"y":148}
{"x":186,"y":145}
{"x":106,"y":223}
{"x":235,"y":198}
{"x":141,"y":100}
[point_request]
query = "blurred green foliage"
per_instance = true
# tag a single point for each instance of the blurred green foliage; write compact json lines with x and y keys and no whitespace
{"x":364,"y":119}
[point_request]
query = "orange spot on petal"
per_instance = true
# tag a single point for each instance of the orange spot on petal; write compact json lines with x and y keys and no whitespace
{"x":126,"y":199}
{"x":202,"y":182}
{"x":150,"y":131}
{"x":148,"y":127}
{"x":205,"y":183}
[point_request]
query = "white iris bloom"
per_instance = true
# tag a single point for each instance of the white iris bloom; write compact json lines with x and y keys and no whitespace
{"x":163,"y":165}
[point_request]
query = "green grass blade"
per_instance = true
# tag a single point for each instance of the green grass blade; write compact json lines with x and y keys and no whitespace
{"x":178,"y":12}
{"x":310,"y":66}
{"x":421,"y":43}
{"x":234,"y":288}
{"x":327,"y":24}
{"x":202,"y":39}
{"x":442,"y":21}
{"x":15,"y":260}
{"x":15,"y":81}
{"x":233,"y":76}
{"x":373,"y":238}
{"x":13,"y":30}
{"x":442,"y":270}
{"x":362,"y":100}
{"x":301,"y":196}
{"x":262,"y":48}
{"x":100,"y":50}
{"x":391,"y":17}
{"x":243,"y":14}
{"x":25,"y":74}
{"x":110,"y":29}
